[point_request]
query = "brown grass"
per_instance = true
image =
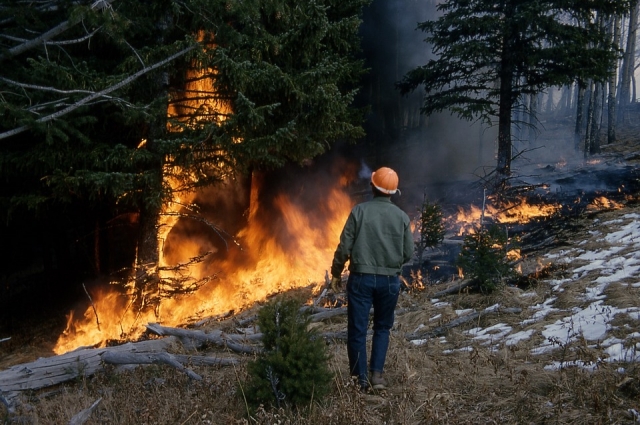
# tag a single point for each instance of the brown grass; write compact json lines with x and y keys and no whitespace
{"x":479,"y":386}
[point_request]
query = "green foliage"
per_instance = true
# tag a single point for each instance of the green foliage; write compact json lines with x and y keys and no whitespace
{"x":484,"y":257}
{"x":293,"y":367}
{"x":287,"y":72}
{"x":430,"y":226}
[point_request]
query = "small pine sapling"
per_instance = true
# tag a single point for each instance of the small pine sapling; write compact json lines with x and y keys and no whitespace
{"x":293,"y":367}
{"x":429,"y":226}
{"x":484,"y":257}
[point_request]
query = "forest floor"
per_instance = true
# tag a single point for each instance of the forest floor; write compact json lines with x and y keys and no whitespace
{"x":569,"y":355}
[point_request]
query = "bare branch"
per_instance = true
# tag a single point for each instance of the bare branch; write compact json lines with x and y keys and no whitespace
{"x":88,"y":99}
{"x":59,"y":29}
{"x":43,"y":88}
{"x":92,"y":305}
{"x":55,"y":43}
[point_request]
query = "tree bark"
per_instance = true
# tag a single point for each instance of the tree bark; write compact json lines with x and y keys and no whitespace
{"x":628,"y":65}
{"x":577,"y":134}
{"x":611,"y":101}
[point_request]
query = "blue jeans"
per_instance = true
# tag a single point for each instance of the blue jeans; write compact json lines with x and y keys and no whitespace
{"x":363,"y":292}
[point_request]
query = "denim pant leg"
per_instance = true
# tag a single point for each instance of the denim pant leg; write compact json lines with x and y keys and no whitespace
{"x":385,"y":298}
{"x":360,"y":298}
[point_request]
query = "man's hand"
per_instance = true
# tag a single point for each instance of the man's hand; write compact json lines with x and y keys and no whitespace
{"x":336,"y":284}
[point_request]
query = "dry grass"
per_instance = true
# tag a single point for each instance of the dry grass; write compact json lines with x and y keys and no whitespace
{"x":480,"y":386}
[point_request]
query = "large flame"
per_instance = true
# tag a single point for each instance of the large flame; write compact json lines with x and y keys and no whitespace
{"x":286,"y":244}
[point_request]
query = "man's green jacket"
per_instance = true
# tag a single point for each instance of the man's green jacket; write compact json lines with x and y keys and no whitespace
{"x":376,"y":239}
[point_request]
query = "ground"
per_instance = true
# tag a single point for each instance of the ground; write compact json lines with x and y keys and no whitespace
{"x":564,"y":348}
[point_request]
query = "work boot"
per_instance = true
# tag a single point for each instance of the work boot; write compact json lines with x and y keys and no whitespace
{"x":377,"y":381}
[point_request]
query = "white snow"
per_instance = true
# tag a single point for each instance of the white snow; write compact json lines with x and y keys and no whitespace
{"x":616,"y":259}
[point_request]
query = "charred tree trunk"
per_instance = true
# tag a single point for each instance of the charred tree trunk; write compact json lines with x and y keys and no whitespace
{"x":628,"y":66}
{"x":611,"y":101}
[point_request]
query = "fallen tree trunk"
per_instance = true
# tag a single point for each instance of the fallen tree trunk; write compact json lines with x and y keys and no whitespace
{"x":50,"y":371}
{"x":191,"y":337}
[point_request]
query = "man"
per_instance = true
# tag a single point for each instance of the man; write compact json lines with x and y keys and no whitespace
{"x":377,"y":241}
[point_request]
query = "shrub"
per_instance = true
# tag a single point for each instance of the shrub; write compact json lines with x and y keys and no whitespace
{"x":293,"y":368}
{"x":484,"y":257}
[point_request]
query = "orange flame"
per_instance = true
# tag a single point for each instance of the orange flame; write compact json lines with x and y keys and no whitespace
{"x":265,"y":266}
{"x":603,"y":203}
{"x":269,"y":263}
{"x":511,"y":212}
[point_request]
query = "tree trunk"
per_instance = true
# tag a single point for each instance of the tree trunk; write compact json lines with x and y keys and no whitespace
{"x":628,"y":65}
{"x":588,"y":141}
{"x":611,"y":101}
{"x":597,"y":117}
{"x":533,"y":118}
{"x":506,"y":102}
{"x":577,"y":134}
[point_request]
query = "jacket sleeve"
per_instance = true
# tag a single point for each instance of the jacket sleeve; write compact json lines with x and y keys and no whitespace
{"x":409,"y":245}
{"x":343,"y":251}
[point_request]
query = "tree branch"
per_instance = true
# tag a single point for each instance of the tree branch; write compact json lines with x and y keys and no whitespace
{"x":59,"y":29}
{"x":95,"y":95}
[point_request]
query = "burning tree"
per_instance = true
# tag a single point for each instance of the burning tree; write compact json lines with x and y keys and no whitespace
{"x":88,"y":142}
{"x":490,"y":54}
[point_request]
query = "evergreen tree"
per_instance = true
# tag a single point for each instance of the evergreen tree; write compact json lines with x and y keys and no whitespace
{"x":491,"y":53}
{"x":293,"y":367}
{"x":85,"y":135}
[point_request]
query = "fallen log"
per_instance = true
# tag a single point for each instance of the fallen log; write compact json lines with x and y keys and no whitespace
{"x":84,"y":362}
{"x":442,"y":330}
{"x":217,"y":337}
{"x":454,"y":289}
{"x":50,"y":371}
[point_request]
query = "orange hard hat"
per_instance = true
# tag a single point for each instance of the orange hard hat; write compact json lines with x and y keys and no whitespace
{"x":385,"y":180}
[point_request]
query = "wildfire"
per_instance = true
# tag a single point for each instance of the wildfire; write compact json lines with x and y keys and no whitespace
{"x":289,"y":245}
{"x":512,"y":212}
{"x":286,"y":244}
{"x":603,"y":203}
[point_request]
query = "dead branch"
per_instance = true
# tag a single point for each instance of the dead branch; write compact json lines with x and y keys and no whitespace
{"x":92,"y":305}
{"x":454,"y":289}
{"x":53,"y":32}
{"x":442,"y":330}
{"x":5,"y":339}
{"x":83,"y":416}
{"x":148,"y":358}
{"x":96,"y":95}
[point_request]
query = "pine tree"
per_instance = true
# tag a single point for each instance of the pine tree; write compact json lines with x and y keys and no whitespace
{"x":84,"y":129}
{"x":489,"y":54}
{"x":293,"y":367}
